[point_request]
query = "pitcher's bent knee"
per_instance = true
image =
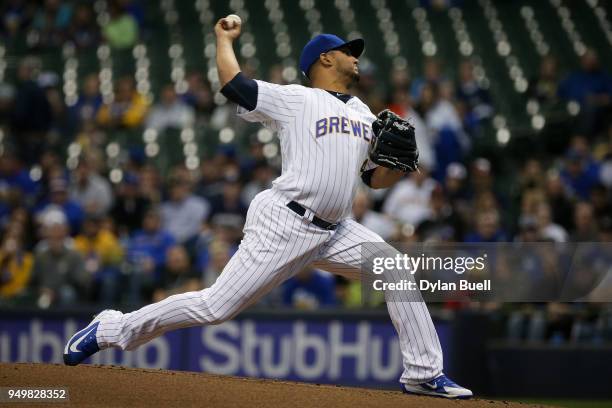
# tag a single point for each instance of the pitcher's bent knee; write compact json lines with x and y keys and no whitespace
{"x":217,"y":308}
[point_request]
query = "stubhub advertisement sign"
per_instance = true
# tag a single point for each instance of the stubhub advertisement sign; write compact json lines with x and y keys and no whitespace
{"x":354,"y":352}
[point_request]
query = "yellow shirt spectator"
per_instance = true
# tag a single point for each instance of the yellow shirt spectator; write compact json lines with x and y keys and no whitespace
{"x":15,"y":272}
{"x":104,"y":244}
{"x":130,"y":114}
{"x":128,"y":109}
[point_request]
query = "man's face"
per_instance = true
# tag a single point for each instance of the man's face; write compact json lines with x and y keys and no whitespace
{"x":151,"y":222}
{"x":59,"y":197}
{"x":90,"y":228}
{"x":91,"y":85}
{"x":56,"y":234}
{"x":179,"y":191}
{"x":177,"y":260}
{"x":346,"y":65}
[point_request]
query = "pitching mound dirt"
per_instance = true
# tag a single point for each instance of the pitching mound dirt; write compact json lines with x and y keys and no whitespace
{"x":111,"y":386}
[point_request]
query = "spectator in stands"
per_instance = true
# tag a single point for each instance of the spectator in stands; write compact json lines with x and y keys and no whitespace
{"x":135,"y":9}
{"x":483,"y":202}
{"x":455,"y":184}
{"x":147,"y":247}
{"x":529,"y":230}
{"x":130,"y":205}
{"x":262,"y":176}
{"x":198,"y":95}
{"x":602,"y":201}
{"x":585,"y":225}
{"x":178,"y":275}
{"x":150,"y":183}
{"x":184,"y":212}
{"x":544,"y":87}
{"x":482,"y":178}
{"x":219,"y":253}
{"x":5,"y":211}
{"x":122,"y":30}
{"x":17,"y":16}
{"x":602,"y":257}
{"x":591,"y":87}
{"x":582,"y":146}
{"x":436,"y":107}
{"x":89,"y":101}
{"x":375,"y":221}
{"x":91,"y":139}
{"x":102,"y":254}
{"x":443,"y":224}
{"x":487,"y":229}
{"x":432,"y":74}
{"x":548,"y":229}
{"x":444,"y":124}
{"x":51,"y":169}
{"x":400,"y":78}
{"x":605,"y":172}
{"x":229,"y":202}
{"x":146,"y":255}
{"x":62,"y":128}
{"x":408,"y":201}
{"x":31,"y":117}
{"x":7,"y":98}
{"x":58,"y":199}
{"x":602,"y":149}
{"x":402,"y":105}
{"x":310,"y":289}
{"x":170,"y":112}
{"x":19,"y":224}
{"x":15,"y":264}
{"x":210,"y":183}
{"x":128,"y":110}
{"x":399,"y":102}
{"x":532,"y":175}
{"x":92,"y":191}
{"x":531,"y":199}
{"x":476,"y":100}
{"x":51,"y":23}
{"x":59,"y":276}
{"x":84,"y":32}
{"x":561,"y":207}
{"x":579,"y":174}
{"x":15,"y":181}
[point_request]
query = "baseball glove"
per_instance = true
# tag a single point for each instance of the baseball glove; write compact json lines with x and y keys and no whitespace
{"x":394,"y":144}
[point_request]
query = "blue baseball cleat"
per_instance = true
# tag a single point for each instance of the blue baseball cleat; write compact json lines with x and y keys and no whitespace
{"x":83,"y":343}
{"x":441,"y":386}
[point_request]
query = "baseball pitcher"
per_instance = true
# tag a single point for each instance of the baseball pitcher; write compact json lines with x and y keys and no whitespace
{"x":329,"y":141}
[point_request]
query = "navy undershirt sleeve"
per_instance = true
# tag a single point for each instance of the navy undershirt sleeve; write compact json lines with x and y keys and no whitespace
{"x":241,"y":90}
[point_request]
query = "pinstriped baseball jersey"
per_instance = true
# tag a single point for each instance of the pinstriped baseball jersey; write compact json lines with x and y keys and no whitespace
{"x":324,"y":142}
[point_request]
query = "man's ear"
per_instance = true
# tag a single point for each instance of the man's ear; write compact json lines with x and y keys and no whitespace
{"x":325,"y":59}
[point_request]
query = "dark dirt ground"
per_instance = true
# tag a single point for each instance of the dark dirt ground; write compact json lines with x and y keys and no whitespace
{"x":112,"y":386}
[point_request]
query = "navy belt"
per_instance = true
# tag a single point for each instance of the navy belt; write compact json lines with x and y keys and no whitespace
{"x":299,"y":210}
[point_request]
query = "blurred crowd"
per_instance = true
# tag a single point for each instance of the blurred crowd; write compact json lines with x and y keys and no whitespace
{"x":53,"y":23}
{"x":70,"y":235}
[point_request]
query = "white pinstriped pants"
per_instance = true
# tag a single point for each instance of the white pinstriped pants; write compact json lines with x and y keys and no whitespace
{"x":277,"y":244}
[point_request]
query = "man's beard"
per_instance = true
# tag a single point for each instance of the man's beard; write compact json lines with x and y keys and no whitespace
{"x":352,"y":78}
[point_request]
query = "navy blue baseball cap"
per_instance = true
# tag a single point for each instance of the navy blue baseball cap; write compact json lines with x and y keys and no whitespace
{"x":323,"y":43}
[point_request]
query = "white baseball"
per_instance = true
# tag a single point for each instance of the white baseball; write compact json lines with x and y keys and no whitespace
{"x":232,"y":21}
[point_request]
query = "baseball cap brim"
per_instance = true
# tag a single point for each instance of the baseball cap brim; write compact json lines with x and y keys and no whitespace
{"x":356,"y":46}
